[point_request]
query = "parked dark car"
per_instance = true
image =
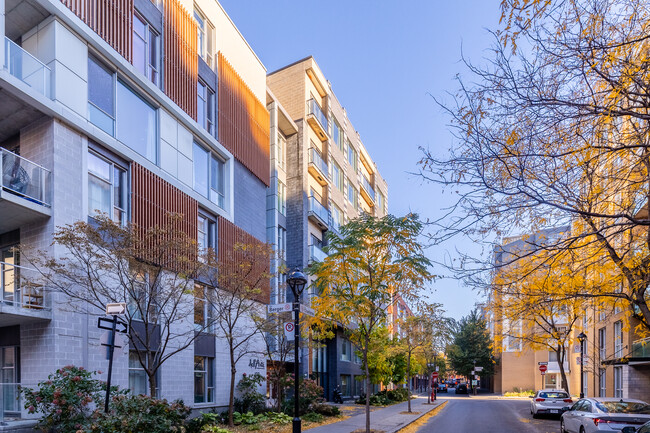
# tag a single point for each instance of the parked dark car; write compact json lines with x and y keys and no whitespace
{"x":442,"y":387}
{"x":461,"y":388}
{"x":645,"y":428}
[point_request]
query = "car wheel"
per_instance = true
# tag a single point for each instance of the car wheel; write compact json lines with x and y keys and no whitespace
{"x":562,"y":429}
{"x":582,"y":429}
{"x":535,"y":415}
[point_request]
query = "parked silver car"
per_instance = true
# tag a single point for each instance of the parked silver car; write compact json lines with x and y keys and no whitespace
{"x":589,"y":415}
{"x":549,"y":401}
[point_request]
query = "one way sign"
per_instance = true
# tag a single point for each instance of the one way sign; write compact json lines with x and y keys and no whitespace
{"x":104,"y":323}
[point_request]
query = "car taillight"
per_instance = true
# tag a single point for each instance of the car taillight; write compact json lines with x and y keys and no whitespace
{"x":568,"y":400}
{"x":540,"y":399}
{"x":599,"y":420}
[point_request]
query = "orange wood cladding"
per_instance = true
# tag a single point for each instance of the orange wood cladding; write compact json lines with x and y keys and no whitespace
{"x":229,"y":235}
{"x":181,"y":56}
{"x":153,"y":198}
{"x":243,"y":122}
{"x":112,"y":20}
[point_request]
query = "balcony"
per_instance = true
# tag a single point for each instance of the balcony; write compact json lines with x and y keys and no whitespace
{"x":27,"y":68}
{"x":641,"y":348}
{"x":367,"y":191}
{"x":25,"y":189}
{"x":21,"y":300}
{"x":316,"y":254}
{"x":317,"y":119}
{"x":318,"y":213}
{"x":318,"y":167}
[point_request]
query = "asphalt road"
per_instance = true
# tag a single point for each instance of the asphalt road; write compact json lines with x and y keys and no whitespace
{"x":487,"y":414}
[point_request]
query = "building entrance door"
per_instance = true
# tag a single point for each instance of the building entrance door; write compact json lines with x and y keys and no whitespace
{"x":550,"y":380}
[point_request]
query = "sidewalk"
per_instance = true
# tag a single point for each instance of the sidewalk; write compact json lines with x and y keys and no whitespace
{"x":388,"y":419}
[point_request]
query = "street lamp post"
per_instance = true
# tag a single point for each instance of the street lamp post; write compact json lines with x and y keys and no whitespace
{"x":296,"y":280}
{"x":582,"y":337}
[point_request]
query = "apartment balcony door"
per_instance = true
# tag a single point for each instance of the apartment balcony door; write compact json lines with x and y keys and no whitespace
{"x":9,"y":383}
{"x":8,"y":276}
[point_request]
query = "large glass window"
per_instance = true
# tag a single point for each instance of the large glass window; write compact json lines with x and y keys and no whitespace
{"x":281,"y":147}
{"x":282,"y":243}
{"x":205,"y":36}
{"x":203,"y":379}
{"x":346,"y":350}
{"x":138,"y":381}
{"x":337,"y":134}
{"x":618,"y":338}
{"x":337,"y":176}
{"x":282,"y":197}
{"x":146,"y":57}
{"x":136,"y":122}
{"x":205,"y":112}
{"x":201,"y":169}
{"x":602,"y":344}
{"x":352,"y":156}
{"x":203,"y":309}
{"x":206,"y":233}
{"x":352,"y":195}
{"x":337,"y":217}
{"x":618,"y":382}
{"x":107,"y":188}
{"x":209,"y":175}
{"x":602,"y":382}
{"x":345,"y":384}
{"x":101,"y":96}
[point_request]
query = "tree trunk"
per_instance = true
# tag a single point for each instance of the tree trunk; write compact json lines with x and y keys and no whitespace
{"x":408,"y":380}
{"x":561,"y":354}
{"x":231,"y":400}
{"x":367,"y":371}
{"x":151,"y":374}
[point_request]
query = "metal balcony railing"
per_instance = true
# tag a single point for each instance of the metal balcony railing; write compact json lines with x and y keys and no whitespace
{"x":10,"y":402}
{"x":27,"y":68}
{"x":316,"y":254}
{"x":369,"y":189}
{"x":314,"y":109}
{"x":17,"y":291}
{"x":316,"y":159}
{"x":318,"y":209}
{"x":25,"y":178}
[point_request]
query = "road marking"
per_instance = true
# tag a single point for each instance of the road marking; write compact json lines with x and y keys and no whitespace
{"x":415,"y":425}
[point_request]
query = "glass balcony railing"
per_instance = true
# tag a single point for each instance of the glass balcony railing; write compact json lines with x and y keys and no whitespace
{"x":641,"y":348}
{"x":369,"y":189}
{"x":316,"y":254}
{"x":318,"y":209}
{"x":25,"y":178}
{"x":314,"y":109}
{"x":10,"y":402}
{"x":17,"y":291}
{"x":27,"y":68}
{"x":317,"y":160}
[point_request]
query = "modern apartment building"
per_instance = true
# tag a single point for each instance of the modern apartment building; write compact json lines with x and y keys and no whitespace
{"x":134,"y":108}
{"x":325,"y":177}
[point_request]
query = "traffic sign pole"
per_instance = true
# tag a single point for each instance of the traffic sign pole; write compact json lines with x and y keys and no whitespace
{"x":111,"y":349}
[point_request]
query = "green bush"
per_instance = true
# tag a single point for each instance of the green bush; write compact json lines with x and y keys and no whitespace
{"x":399,"y":394}
{"x":247,"y":418}
{"x":310,"y":393}
{"x":250,"y":399}
{"x":313,"y":417}
{"x":279,"y":418}
{"x":214,"y":429}
{"x":325,"y":409}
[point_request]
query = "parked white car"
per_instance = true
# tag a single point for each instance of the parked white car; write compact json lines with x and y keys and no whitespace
{"x":589,"y":415}
{"x":549,"y":401}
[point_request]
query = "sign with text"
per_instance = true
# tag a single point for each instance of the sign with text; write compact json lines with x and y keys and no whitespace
{"x":307,"y":310}
{"x":289,"y":331}
{"x":279,"y":308}
{"x":478,"y":368}
{"x":543,"y":368}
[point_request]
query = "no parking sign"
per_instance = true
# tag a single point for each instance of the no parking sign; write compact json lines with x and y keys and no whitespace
{"x":289,"y":331}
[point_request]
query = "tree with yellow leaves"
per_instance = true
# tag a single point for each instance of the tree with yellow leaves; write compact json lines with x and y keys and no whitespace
{"x":371,"y":261}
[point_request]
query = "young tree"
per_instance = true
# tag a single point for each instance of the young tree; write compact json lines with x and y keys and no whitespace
{"x":555,"y":132}
{"x":417,"y":331}
{"x":472,"y":346}
{"x":278,"y":350}
{"x":152,"y":270}
{"x":367,"y":265}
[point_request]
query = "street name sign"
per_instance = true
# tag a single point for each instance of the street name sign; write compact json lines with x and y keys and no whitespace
{"x":307,"y":310}
{"x":104,"y":323}
{"x":289,"y":331}
{"x":478,"y":368}
{"x":279,"y":308}
{"x":116,"y":309}
{"x":542,"y":363}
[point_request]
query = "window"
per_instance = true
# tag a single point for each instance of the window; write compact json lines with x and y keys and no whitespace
{"x":205,"y":113}
{"x":107,"y":189}
{"x":337,"y":176}
{"x":203,"y":310}
{"x":602,"y":343}
{"x":618,"y":338}
{"x":337,"y":134}
{"x":352,"y":194}
{"x":136,"y":122}
{"x":380,"y":201}
{"x":345,"y":384}
{"x":346,"y":350}
{"x":203,"y":379}
{"x":602,"y":383}
{"x":205,"y":37}
{"x":206,"y":233}
{"x":352,"y":156}
{"x":281,"y":148}
{"x":138,"y":380}
{"x":282,"y":243}
{"x":146,"y":57}
{"x":209,"y":175}
{"x":618,"y":382}
{"x":282,"y":197}
{"x":337,"y":217}
{"x":101,"y":96}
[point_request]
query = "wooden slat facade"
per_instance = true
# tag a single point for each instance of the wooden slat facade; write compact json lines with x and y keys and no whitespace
{"x":112,"y":20}
{"x":153,"y":198}
{"x":229,"y":235}
{"x":181,"y":61}
{"x":243,"y":122}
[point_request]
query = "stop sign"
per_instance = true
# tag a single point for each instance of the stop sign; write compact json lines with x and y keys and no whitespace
{"x":543,"y":368}
{"x":434,"y":375}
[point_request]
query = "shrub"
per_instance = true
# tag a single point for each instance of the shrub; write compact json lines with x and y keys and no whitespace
{"x":250,"y":399}
{"x":325,"y":409}
{"x":313,"y":417}
{"x":399,"y":394}
{"x":247,"y":418}
{"x":310,"y":393}
{"x":214,"y":429}
{"x":67,"y":399}
{"x":141,"y":413}
{"x":279,"y":418}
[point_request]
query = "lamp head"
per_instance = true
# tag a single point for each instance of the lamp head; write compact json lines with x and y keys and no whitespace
{"x":296,"y":281}
{"x":582,"y":337}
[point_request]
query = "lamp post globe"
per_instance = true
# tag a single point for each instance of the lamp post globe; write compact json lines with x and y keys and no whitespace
{"x":582,"y":337}
{"x":297,"y":281}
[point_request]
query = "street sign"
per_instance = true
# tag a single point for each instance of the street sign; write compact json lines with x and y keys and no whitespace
{"x":478,"y":368}
{"x":116,"y":309}
{"x":542,"y":363}
{"x":307,"y":310}
{"x":279,"y":308}
{"x":475,"y":383}
{"x":289,"y":331}
{"x":434,"y":375}
{"x":543,"y":368}
{"x":104,"y":323}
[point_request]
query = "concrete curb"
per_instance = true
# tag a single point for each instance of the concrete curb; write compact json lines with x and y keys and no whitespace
{"x":438,"y":405}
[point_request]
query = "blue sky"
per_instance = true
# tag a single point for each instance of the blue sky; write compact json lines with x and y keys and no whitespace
{"x":384,"y":60}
